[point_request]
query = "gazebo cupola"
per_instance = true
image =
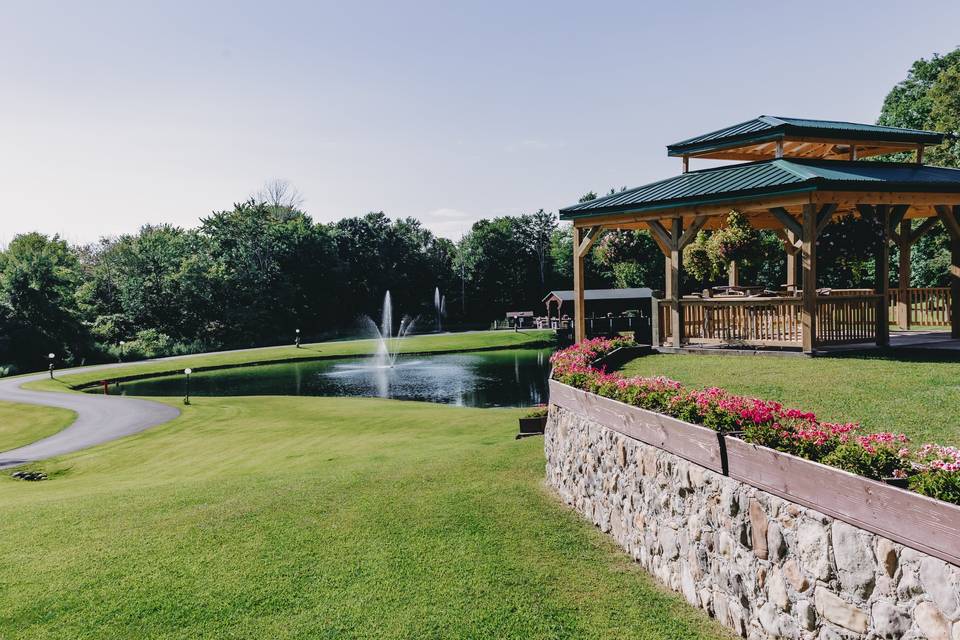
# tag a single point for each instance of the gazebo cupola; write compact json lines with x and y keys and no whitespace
{"x":799,"y":176}
{"x":768,"y":137}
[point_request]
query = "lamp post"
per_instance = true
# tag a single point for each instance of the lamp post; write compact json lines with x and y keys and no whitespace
{"x":297,"y":341}
{"x":120,"y":357}
{"x":51,"y":356}
{"x":186,"y":397}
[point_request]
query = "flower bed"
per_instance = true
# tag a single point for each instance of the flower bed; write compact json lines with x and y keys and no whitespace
{"x":930,"y":469}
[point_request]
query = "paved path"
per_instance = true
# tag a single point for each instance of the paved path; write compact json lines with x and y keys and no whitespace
{"x":99,"y":418}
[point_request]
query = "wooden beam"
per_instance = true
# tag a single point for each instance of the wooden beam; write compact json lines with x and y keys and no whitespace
{"x":949,"y":219}
{"x":661,"y":242}
{"x":686,"y":164}
{"x":676,"y":312}
{"x":787,"y":220}
{"x":692,"y":231}
{"x":897,"y":214}
{"x":923,"y":229}
{"x":591,"y":236}
{"x":824,"y":216}
{"x":808,"y":308}
{"x":955,"y":279}
{"x":790,"y":244}
{"x":919,"y":154}
{"x":949,"y":216}
{"x":903,"y":284}
{"x":579,"y":306}
{"x":881,"y":284}
{"x":845,"y":198}
{"x":660,"y":234}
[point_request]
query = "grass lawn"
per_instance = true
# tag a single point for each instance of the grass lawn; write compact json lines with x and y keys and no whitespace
{"x":431,"y":343}
{"x":320,"y":518}
{"x":22,"y":424}
{"x":919,"y":397}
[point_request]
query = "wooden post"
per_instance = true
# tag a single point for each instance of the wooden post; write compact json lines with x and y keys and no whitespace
{"x":686,"y":163}
{"x":950,"y":216}
{"x":955,"y":282}
{"x":779,"y":152}
{"x":882,"y":277}
{"x":733,"y":274}
{"x":667,"y":277}
{"x":579,"y":307}
{"x":791,"y":263}
{"x":808,"y":309}
{"x":903,"y":287}
{"x":676,"y":313}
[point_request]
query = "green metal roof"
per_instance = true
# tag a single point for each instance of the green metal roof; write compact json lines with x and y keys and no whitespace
{"x":770,"y":177}
{"x":766,"y":128}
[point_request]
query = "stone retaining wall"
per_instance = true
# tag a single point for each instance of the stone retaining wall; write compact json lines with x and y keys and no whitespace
{"x":761,"y":565}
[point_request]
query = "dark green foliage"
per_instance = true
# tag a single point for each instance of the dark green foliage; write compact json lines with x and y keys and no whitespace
{"x":632,"y":258}
{"x":929,"y":98}
{"x":942,"y":485}
{"x":876,"y":463}
{"x":38,"y":310}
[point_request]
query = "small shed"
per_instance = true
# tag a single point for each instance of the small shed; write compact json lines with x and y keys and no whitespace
{"x":599,"y":302}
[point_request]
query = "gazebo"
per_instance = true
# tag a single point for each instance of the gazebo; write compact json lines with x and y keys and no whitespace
{"x":795,"y":177}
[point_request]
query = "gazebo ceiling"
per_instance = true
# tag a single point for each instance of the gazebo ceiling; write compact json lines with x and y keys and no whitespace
{"x":759,"y":139}
{"x":784,"y":182}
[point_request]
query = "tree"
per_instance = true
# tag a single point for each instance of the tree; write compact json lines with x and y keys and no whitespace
{"x":928,"y":98}
{"x":536,"y":230}
{"x":632,"y":258}
{"x":280,"y":195}
{"x":39,"y":276}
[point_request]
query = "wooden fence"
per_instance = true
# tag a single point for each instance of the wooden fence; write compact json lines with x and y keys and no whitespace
{"x":847,"y":318}
{"x":929,"y":307}
{"x":773,"y":322}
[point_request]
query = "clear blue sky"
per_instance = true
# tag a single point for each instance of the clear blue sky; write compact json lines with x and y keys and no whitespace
{"x":116,"y":114}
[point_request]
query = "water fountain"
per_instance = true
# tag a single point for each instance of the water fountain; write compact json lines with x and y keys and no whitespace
{"x":387,"y":345}
{"x":438,"y":307}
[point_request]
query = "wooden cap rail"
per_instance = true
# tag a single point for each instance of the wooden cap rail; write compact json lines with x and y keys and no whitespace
{"x":919,"y":522}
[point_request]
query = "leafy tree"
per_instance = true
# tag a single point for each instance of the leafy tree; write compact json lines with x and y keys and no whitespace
{"x":39,"y":276}
{"x":928,"y":98}
{"x":632,"y":258}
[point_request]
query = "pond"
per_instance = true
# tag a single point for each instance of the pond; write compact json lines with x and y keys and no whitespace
{"x":509,"y":378}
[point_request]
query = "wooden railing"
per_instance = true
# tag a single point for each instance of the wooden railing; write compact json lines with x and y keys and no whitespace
{"x":847,"y":318}
{"x":929,"y":306}
{"x":763,"y":322}
{"x":772,"y":322}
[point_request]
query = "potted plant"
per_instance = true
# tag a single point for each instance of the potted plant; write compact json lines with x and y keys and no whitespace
{"x":534,"y":422}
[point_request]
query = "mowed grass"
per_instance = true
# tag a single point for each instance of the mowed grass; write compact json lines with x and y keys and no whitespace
{"x":431,"y":343}
{"x":287,"y":517}
{"x":914,"y":395}
{"x":22,"y":424}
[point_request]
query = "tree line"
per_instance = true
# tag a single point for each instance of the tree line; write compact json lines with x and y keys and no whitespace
{"x":255,"y":273}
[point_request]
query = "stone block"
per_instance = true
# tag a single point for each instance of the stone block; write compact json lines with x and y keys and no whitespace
{"x":835,"y":609}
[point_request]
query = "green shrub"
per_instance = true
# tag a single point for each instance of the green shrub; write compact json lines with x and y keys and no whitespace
{"x":942,"y":485}
{"x":877,"y":462}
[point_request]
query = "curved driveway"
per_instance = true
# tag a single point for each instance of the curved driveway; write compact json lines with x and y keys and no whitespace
{"x":99,"y":418}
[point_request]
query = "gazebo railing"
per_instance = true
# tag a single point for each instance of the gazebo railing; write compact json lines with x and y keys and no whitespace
{"x":772,"y":322}
{"x":929,"y":306}
{"x":847,"y":319}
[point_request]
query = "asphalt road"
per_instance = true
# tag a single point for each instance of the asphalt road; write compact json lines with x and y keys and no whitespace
{"x":99,"y":418}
